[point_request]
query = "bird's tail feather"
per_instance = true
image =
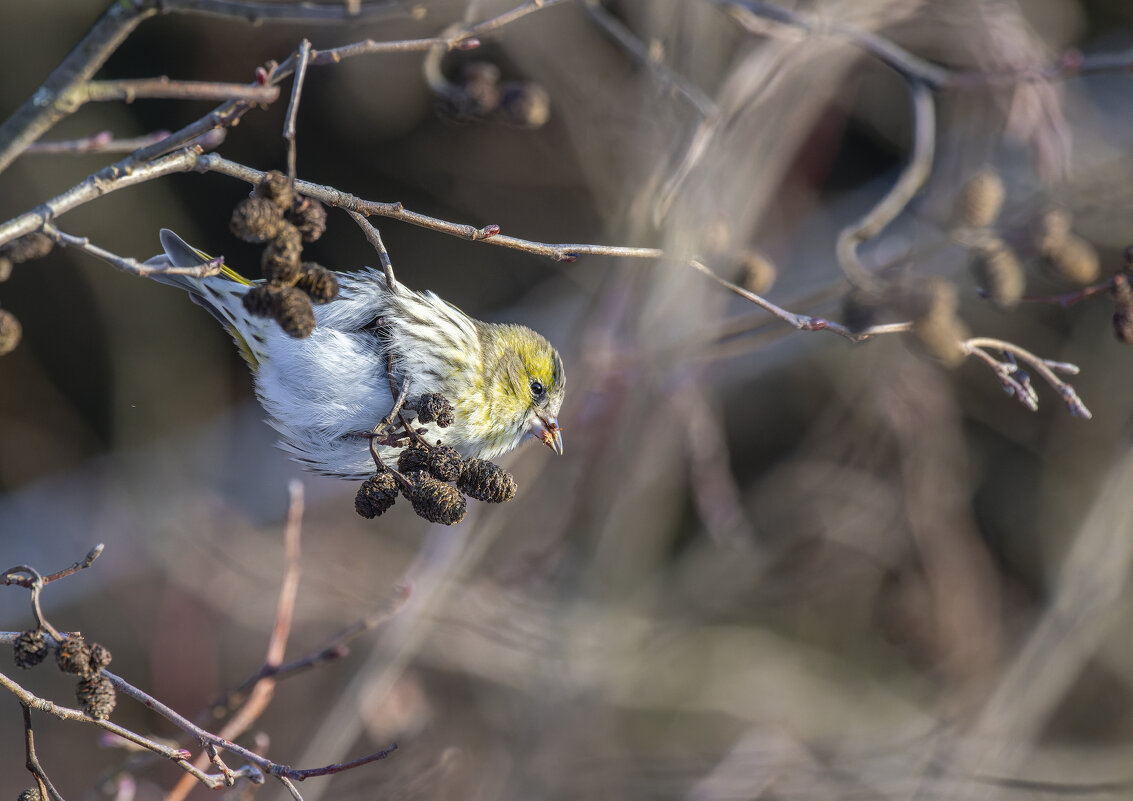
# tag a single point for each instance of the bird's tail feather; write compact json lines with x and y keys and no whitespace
{"x":221,"y":296}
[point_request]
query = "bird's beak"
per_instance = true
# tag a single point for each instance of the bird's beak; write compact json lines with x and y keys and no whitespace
{"x":547,"y":429}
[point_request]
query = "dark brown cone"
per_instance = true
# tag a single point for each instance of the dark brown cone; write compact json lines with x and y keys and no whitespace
{"x":938,"y":328}
{"x":294,"y":313}
{"x":486,"y":481}
{"x":28,"y":247}
{"x":1075,"y":260}
{"x":435,"y":407}
{"x":998,"y":270}
{"x":309,"y":216}
{"x":861,"y":308}
{"x":320,"y":284}
{"x":256,"y":219}
{"x":757,"y":272}
{"x":981,"y":199}
{"x":436,"y":501}
{"x":413,"y":458}
{"x":30,"y":649}
{"x":281,"y":261}
{"x":73,"y":656}
{"x":445,"y":463}
{"x":524,"y":104}
{"x":1121,"y":290}
{"x":96,"y":696}
{"x":1123,"y":324}
{"x":10,"y":332}
{"x":100,"y":656}
{"x":376,"y":495}
{"x":260,"y":300}
{"x":276,"y":187}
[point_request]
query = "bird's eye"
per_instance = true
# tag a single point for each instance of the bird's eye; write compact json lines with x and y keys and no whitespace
{"x":537,"y":388}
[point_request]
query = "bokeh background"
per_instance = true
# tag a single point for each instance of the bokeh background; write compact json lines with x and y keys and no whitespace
{"x":770,"y":564}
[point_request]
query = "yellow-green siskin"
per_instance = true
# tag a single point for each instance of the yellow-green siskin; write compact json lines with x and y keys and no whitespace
{"x":505,"y":382}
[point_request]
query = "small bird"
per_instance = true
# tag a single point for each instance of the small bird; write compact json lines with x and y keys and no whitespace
{"x":325,"y":392}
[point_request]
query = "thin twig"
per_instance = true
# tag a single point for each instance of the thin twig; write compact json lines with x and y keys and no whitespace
{"x":375,"y":239}
{"x":304,"y":56}
{"x":335,"y":647}
{"x":31,"y":759}
{"x":300,"y":775}
{"x":911,"y":180}
{"x":257,"y":12}
{"x":802,"y":322}
{"x":130,"y":265}
{"x":1046,"y":368}
{"x":262,"y":688}
{"x":618,"y":31}
{"x":166,"y":88}
{"x":466,"y":39}
{"x":900,"y":59}
{"x":41,"y":111}
{"x":101,"y":142}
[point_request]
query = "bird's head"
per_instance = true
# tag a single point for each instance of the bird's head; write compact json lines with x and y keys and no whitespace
{"x":525,"y":384}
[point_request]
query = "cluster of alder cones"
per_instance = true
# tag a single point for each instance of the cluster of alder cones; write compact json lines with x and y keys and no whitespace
{"x":276,"y":215}
{"x":434,"y":478}
{"x":73,"y":655}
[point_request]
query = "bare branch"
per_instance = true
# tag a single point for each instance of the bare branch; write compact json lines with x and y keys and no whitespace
{"x":163,"y":87}
{"x":912,"y":178}
{"x":258,"y":13}
{"x":31,"y":759}
{"x":101,"y":142}
{"x":375,"y":239}
{"x":303,"y":57}
{"x":1048,"y":369}
{"x":42,"y":110}
{"x":130,"y":265}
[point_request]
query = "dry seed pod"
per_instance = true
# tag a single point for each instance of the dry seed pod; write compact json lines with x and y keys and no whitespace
{"x":524,"y":104}
{"x":376,"y":495}
{"x":30,"y":649}
{"x":5,"y":268}
{"x":436,"y":501}
{"x":998,"y":271}
{"x":10,"y":332}
{"x":30,"y":246}
{"x":1054,"y":227}
{"x":434,"y":406}
{"x":100,"y":656}
{"x":861,"y":308}
{"x":309,"y":216}
{"x":256,"y":219}
{"x":486,"y":481}
{"x":413,"y":458}
{"x":938,"y":328}
{"x":1075,"y":260}
{"x":281,"y":262}
{"x":445,"y":463}
{"x":260,"y":300}
{"x":293,"y":312}
{"x":758,"y":272}
{"x":73,"y":656}
{"x":95,"y":695}
{"x":1122,"y":308}
{"x":276,"y":187}
{"x":981,"y":199}
{"x":318,"y":282}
